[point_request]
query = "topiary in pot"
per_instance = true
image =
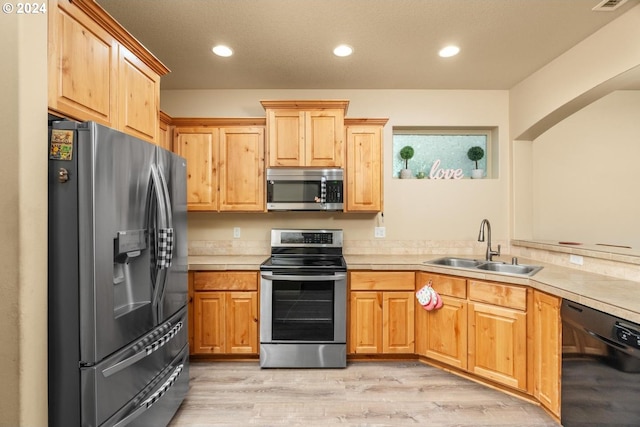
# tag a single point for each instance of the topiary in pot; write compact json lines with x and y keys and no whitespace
{"x":474,"y":154}
{"x":406,"y":153}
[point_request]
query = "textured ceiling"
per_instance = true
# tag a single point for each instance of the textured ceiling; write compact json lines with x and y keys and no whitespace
{"x":287,"y":44}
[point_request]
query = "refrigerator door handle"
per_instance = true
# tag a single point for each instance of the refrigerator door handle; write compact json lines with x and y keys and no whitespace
{"x":159,"y":193}
{"x":149,"y":349}
{"x":167,"y":199}
{"x":165,"y":236}
{"x":166,"y":240}
{"x":148,"y":402}
{"x":159,"y":226}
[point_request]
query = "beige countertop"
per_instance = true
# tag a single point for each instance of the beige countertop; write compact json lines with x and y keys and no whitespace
{"x":618,"y":297}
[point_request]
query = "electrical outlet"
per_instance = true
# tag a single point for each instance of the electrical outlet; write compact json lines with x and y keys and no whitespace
{"x":236,"y":232}
{"x":379,"y":232}
{"x":576,"y":259}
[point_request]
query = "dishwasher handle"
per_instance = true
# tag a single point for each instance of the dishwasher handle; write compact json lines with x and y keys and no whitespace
{"x":607,"y":341}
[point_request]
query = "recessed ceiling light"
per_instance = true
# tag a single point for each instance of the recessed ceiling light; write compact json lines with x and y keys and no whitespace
{"x":343,"y":50}
{"x":449,"y":51}
{"x":222,"y":50}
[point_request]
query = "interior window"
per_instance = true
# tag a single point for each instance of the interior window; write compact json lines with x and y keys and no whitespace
{"x":442,"y":153}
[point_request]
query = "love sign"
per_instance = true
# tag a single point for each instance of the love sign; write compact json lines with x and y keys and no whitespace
{"x":439,"y":173}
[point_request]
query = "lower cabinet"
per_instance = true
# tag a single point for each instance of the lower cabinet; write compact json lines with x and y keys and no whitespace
{"x":481,"y":328}
{"x":498,"y":332}
{"x":547,"y":350}
{"x":225,"y":313}
{"x":381,"y":312}
{"x":442,"y":334}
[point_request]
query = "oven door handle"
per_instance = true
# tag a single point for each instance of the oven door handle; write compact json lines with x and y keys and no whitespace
{"x":309,"y":278}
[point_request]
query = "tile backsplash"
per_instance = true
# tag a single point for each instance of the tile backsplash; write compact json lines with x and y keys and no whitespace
{"x":618,"y":266}
{"x":351,"y":247}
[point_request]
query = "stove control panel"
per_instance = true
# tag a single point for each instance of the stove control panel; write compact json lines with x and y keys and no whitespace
{"x":306,"y":238}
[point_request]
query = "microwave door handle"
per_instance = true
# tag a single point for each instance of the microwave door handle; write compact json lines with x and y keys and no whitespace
{"x":310,"y":278}
{"x":323,"y":190}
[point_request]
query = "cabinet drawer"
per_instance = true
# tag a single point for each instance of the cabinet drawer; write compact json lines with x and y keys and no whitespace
{"x":225,"y":281}
{"x":382,"y":280}
{"x":445,"y":285}
{"x":498,"y":294}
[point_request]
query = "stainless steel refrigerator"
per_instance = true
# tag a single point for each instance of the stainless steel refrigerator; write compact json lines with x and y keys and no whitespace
{"x":117,"y":291}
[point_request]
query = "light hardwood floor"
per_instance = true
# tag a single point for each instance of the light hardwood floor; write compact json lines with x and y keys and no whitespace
{"x":363,"y":394}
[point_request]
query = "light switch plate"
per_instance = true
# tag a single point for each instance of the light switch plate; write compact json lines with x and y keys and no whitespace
{"x":379,"y":232}
{"x":576,"y":259}
{"x":236,"y":232}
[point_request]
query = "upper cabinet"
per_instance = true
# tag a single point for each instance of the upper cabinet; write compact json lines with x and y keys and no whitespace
{"x":165,"y":132}
{"x":225,"y":163}
{"x":98,"y":71}
{"x":305,"y":133}
{"x":364,"y":165}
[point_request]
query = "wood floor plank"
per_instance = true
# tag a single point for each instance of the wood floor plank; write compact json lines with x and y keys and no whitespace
{"x":372,"y":394}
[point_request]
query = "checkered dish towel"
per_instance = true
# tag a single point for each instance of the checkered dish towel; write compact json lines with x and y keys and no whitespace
{"x":165,"y":247}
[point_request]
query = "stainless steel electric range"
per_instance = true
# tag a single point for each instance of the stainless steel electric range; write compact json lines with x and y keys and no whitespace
{"x":303,"y":301}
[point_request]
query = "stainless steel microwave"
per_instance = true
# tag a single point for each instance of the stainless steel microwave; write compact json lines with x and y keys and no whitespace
{"x":305,"y":189}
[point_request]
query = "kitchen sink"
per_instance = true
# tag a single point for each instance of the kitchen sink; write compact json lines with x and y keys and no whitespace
{"x":526,"y":270}
{"x":491,"y":266}
{"x":456,"y":262}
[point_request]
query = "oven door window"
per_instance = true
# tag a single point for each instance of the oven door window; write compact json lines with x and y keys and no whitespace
{"x":295,"y":191}
{"x":303,"y":311}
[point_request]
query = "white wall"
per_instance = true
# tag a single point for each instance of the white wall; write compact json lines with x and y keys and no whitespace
{"x":600,"y":64}
{"x":586,"y":174}
{"x":433,"y":210}
{"x":23,"y":220}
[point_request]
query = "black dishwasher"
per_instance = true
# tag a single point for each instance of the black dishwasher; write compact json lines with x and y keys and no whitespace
{"x":600,"y":368}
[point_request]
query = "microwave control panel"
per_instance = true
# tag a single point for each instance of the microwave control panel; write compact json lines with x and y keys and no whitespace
{"x":334,"y":192}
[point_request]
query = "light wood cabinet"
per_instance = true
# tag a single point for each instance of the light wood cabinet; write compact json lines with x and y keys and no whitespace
{"x":225,"y":167}
{"x":547,"y":347}
{"x":83,"y":65}
{"x":497,"y":345}
{"x":225,"y":313}
{"x":200,"y":148}
{"x":165,"y":132}
{"x":98,"y":72}
{"x":138,"y":97}
{"x":442,"y":334}
{"x":242,"y":180}
{"x":305,"y":133}
{"x":364,"y":180}
{"x":381,"y":312}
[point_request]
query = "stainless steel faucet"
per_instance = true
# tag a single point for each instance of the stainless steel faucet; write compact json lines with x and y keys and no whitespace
{"x":490,"y":252}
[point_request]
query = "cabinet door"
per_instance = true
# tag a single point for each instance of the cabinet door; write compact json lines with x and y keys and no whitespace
{"x":242,"y":169}
{"x":165,"y":132}
{"x":200,"y":148}
{"x":82,"y":63}
{"x":364,"y":169}
{"x":209,"y":328}
{"x":286,"y":137}
{"x":241,"y":322}
{"x":365,"y":334}
{"x":497,"y":344}
{"x":324,"y":140}
{"x":442,"y":333}
{"x":547,"y":343}
{"x":138,"y":97}
{"x":446,"y":336}
{"x":398,"y":322}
